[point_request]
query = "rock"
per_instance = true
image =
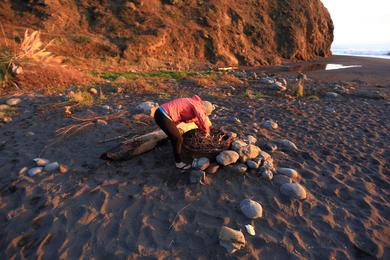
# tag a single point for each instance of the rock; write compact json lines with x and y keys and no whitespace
{"x":23,"y":170}
{"x":233,"y":135}
{"x":34,"y":171}
{"x":41,"y":162}
{"x":7,"y":119}
{"x":197,"y":177}
{"x":291,"y":173}
{"x":251,"y":209}
{"x":370,"y":94}
{"x":248,"y":152}
{"x":250,"y":229}
{"x":331,"y":95}
{"x":51,"y":167}
{"x":251,"y":139}
{"x":253,"y":164}
{"x":240,"y":168}
{"x":4,"y":107}
{"x":293,"y":190}
{"x":287,"y":145}
{"x":227,"y":157}
{"x":232,"y":240}
{"x":279,"y":86}
{"x":101,"y":122}
{"x":148,"y":107}
{"x":213,"y":168}
{"x":93,"y":91}
{"x":281,"y":179}
{"x":237,"y":144}
{"x":267,"y":80}
{"x":30,"y":133}
{"x":201,"y":163}
{"x":271,"y":147}
{"x":268,"y":175}
{"x":107,"y":107}
{"x":236,"y":120}
{"x":264,"y":156}
{"x":63,"y":168}
{"x":269,"y":124}
{"x":13,"y":101}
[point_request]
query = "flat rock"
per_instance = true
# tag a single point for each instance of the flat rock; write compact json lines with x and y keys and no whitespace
{"x":293,"y":190}
{"x":331,"y":95}
{"x":251,"y":209}
{"x":249,"y":152}
{"x":41,"y":162}
{"x":253,"y":164}
{"x":148,"y":107}
{"x":50,"y":167}
{"x":231,"y":239}
{"x":213,"y":168}
{"x":34,"y":171}
{"x":197,"y":177}
{"x":269,"y":124}
{"x":227,"y":157}
{"x":237,"y":144}
{"x":201,"y":163}
{"x":281,"y":179}
{"x":13,"y":101}
{"x":268,"y":175}
{"x":291,"y":173}
{"x":250,"y":229}
{"x":286,"y":144}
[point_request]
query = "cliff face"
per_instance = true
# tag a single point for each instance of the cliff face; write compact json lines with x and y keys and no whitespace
{"x":159,"y":33}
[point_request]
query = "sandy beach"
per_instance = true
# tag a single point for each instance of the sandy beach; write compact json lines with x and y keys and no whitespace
{"x":144,"y":208}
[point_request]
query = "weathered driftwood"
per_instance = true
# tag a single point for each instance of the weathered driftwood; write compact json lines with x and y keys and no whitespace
{"x":141,"y":144}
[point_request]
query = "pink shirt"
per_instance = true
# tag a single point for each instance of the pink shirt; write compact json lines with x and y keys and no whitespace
{"x":188,"y":110}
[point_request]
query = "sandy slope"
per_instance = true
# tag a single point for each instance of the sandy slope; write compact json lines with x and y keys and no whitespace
{"x":130,"y":209}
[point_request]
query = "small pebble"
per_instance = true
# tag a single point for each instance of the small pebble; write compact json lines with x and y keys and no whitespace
{"x":13,"y":101}
{"x":201,"y":164}
{"x":23,"y":170}
{"x":267,"y":174}
{"x":293,"y":190}
{"x":251,"y":209}
{"x":93,"y":91}
{"x":281,"y":179}
{"x":250,"y":229}
{"x":41,"y":162}
{"x":7,"y":119}
{"x":101,"y":122}
{"x":50,"y":167}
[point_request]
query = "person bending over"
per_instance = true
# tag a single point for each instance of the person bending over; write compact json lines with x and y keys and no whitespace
{"x":179,"y":110}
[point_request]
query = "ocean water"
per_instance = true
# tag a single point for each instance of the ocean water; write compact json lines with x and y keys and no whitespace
{"x":369,"y":50}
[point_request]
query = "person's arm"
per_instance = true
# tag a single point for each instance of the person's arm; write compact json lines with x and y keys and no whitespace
{"x":202,"y":121}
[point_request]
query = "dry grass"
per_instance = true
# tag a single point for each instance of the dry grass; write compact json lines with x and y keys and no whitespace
{"x":230,"y":79}
{"x":83,"y":98}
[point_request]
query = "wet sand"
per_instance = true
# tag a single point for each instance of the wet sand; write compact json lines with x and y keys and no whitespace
{"x":143,"y":207}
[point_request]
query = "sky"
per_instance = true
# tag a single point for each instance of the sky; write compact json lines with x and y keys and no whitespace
{"x":360,"y":22}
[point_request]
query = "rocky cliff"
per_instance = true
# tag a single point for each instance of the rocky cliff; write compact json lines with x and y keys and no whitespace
{"x":158,"y":33}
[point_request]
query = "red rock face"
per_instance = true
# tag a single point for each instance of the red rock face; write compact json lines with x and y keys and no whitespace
{"x":158,"y":33}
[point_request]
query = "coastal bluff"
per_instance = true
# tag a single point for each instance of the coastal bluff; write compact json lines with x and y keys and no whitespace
{"x":186,"y":33}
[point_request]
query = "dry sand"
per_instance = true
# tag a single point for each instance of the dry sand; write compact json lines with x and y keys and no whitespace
{"x":144,"y":208}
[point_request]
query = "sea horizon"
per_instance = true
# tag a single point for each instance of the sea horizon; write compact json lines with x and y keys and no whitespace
{"x":375,"y":50}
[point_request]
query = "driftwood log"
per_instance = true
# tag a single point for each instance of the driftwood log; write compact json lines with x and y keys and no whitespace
{"x":141,"y":144}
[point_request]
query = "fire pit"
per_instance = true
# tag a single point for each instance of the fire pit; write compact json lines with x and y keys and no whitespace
{"x":196,"y":144}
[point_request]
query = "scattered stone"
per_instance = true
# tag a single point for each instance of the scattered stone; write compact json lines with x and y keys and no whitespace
{"x":251,"y":139}
{"x":23,"y":170}
{"x":267,"y":80}
{"x":41,"y":162}
{"x":250,"y":229}
{"x":213,"y":168}
{"x":233,"y":135}
{"x":148,"y":107}
{"x":7,"y":119}
{"x":232,"y":240}
{"x":270,"y":124}
{"x":119,"y":107}
{"x":63,"y":168}
{"x":93,"y":91}
{"x":293,"y":190}
{"x":248,"y":152}
{"x":201,"y":164}
{"x":101,"y":122}
{"x":197,"y":177}
{"x":34,"y":171}
{"x":268,"y":175}
{"x":237,"y":144}
{"x":4,"y":107}
{"x":253,"y":164}
{"x":287,"y":145}
{"x":30,"y":133}
{"x":271,"y":147}
{"x":281,"y":179}
{"x":13,"y":101}
{"x":51,"y":167}
{"x":227,"y":157}
{"x":264,"y":156}
{"x":251,"y":209}
{"x":107,"y":107}
{"x":331,"y":95}
{"x":279,"y":86}
{"x":236,"y":120}
{"x":291,"y":173}
{"x":240,"y":168}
